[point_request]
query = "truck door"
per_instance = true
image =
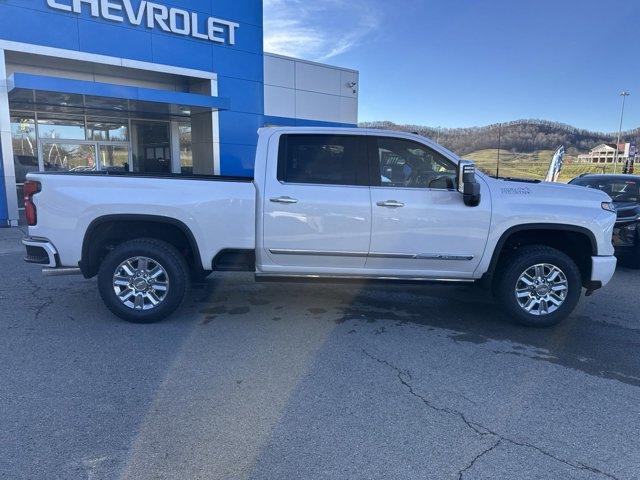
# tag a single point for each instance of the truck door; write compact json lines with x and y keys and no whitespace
{"x":420,"y":224}
{"x":316,"y":205}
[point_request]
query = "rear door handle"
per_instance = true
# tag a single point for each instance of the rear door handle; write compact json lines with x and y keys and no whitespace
{"x":287,"y":200}
{"x":391,"y":204}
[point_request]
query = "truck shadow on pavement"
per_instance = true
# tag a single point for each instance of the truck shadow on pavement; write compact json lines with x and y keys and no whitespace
{"x":466,"y":314}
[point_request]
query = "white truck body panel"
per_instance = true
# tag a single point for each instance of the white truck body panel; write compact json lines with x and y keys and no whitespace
{"x":219,"y":214}
{"x":328,"y":230}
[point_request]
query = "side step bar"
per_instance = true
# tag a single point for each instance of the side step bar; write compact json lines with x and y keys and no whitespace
{"x":57,"y":272}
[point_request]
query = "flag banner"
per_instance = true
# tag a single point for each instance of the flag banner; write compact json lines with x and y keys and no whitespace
{"x":629,"y":165}
{"x":556,"y":165}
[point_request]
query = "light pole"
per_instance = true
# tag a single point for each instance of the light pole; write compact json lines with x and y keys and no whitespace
{"x":499,"y":147}
{"x":624,"y":94}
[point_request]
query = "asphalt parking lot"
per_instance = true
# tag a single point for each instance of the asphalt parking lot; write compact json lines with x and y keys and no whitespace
{"x":288,"y":381}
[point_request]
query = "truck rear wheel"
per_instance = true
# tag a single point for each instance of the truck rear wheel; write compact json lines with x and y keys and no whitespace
{"x":143,"y":280}
{"x":538,"y":286}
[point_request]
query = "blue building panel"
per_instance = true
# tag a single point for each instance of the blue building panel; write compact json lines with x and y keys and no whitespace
{"x":238,"y":64}
{"x":249,"y":38}
{"x":240,"y":128}
{"x":97,"y":37}
{"x":182,"y":52}
{"x":247,"y":12}
{"x":20,"y":24}
{"x":247,"y":95}
{"x":237,"y":160}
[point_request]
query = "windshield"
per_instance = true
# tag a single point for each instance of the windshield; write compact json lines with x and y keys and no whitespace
{"x":619,"y":190}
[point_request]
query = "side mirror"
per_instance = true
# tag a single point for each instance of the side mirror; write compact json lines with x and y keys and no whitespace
{"x":468,"y":186}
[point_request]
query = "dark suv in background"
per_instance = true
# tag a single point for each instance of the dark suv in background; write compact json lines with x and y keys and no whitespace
{"x":624,"y":190}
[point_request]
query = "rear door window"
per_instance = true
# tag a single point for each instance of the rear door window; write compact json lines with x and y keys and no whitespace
{"x":323,"y":159}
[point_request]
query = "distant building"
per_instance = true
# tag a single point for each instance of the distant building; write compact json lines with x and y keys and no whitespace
{"x":606,"y":153}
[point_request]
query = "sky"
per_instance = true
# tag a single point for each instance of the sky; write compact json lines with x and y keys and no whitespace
{"x":462,"y":63}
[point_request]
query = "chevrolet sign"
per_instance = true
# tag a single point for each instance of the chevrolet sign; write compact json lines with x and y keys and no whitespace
{"x":155,"y":15}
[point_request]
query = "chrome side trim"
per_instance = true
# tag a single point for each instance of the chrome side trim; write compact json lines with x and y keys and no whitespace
{"x":435,"y":256}
{"x":362,"y":277}
{"x":319,"y":253}
{"x":423,"y":256}
{"x":408,"y":256}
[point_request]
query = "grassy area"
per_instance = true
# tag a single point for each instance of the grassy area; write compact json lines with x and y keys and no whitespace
{"x":532,"y":165}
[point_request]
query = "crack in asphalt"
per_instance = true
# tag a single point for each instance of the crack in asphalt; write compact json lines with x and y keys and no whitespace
{"x":486,"y":451}
{"x":482,"y":431}
{"x":478,"y":429}
{"x":47,"y":301}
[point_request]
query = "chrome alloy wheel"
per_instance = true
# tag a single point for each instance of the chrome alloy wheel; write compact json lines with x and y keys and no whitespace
{"x":542,"y":289}
{"x":141,"y":283}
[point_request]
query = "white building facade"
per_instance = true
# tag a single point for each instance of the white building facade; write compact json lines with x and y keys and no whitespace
{"x":606,"y":153}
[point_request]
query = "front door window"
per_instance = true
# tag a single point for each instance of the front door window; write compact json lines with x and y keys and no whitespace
{"x":407,"y":164}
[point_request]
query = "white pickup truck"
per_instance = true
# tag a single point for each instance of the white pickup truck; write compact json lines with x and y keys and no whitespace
{"x":338,"y":204}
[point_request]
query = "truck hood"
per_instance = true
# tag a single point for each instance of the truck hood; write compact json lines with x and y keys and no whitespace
{"x":555,"y":191}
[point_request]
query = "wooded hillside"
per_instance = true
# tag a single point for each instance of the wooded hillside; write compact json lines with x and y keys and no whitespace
{"x":525,"y":136}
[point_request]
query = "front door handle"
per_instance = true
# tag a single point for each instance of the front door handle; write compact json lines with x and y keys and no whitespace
{"x":287,"y":200}
{"x":391,"y":204}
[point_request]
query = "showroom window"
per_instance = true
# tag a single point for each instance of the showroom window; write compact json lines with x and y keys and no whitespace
{"x":62,"y":127}
{"x":107,"y":130}
{"x":186,"y":150}
{"x":25,"y":149}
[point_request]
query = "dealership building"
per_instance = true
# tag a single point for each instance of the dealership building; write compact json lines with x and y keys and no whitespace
{"x":172,"y":86}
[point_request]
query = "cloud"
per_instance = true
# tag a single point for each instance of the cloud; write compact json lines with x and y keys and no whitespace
{"x":317,"y":30}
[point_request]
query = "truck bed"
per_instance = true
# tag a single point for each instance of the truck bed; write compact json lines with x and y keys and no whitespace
{"x":69,"y":203}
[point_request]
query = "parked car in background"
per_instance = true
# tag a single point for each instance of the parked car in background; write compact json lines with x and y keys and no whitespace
{"x":624,"y":190}
{"x":326,"y":204}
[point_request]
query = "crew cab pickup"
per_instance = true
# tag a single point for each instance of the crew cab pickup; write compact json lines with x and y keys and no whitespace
{"x":326,"y":204}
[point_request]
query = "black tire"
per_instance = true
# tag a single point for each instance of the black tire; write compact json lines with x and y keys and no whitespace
{"x":177,"y":274}
{"x":515,"y":264}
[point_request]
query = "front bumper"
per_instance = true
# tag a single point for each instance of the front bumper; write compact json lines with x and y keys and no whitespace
{"x":602,"y":271}
{"x":41,"y":251}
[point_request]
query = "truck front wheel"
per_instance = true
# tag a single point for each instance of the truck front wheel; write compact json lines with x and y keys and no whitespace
{"x":143,"y":280}
{"x":538,"y":286}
